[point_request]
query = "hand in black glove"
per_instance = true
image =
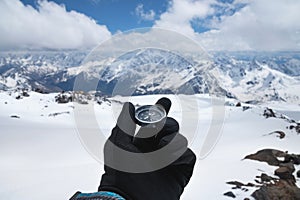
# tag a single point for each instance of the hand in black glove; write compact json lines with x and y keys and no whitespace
{"x":142,"y":173}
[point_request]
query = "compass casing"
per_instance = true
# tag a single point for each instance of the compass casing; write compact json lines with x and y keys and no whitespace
{"x":150,"y":114}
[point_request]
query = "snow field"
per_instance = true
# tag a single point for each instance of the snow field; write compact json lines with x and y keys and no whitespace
{"x":42,"y":156}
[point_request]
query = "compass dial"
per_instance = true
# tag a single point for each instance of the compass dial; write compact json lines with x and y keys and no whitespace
{"x":150,"y":114}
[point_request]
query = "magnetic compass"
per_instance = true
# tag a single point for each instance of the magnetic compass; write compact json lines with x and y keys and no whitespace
{"x":149,"y":114}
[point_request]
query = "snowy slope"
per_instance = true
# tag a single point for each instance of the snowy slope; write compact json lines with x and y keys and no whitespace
{"x":259,"y":82}
{"x":43,"y":158}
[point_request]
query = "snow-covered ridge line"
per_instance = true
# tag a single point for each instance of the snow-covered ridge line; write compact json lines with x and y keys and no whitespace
{"x":246,"y":76}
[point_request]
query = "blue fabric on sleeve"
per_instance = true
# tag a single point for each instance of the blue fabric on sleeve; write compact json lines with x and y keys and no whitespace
{"x":102,"y":195}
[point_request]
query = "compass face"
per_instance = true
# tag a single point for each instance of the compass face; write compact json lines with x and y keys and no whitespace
{"x":150,"y":114}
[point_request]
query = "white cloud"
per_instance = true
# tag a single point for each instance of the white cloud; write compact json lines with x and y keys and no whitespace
{"x":146,"y":16}
{"x":260,"y":25}
{"x":49,"y":26}
{"x":180,"y":13}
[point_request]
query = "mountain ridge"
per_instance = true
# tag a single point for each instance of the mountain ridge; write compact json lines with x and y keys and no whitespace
{"x":246,"y":76}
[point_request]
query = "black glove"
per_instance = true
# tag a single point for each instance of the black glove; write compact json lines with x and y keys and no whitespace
{"x":166,"y":182}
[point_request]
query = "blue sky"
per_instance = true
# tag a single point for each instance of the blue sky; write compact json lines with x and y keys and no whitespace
{"x":229,"y":25}
{"x":115,"y":14}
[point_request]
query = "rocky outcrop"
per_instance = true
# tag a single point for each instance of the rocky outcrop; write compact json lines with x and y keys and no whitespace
{"x":295,"y":126}
{"x":281,"y":190}
{"x":64,"y":97}
{"x":269,"y":156}
{"x":20,"y":93}
{"x":283,"y":185}
{"x":269,"y":113}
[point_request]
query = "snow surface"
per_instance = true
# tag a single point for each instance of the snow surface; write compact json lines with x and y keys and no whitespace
{"x":42,"y":156}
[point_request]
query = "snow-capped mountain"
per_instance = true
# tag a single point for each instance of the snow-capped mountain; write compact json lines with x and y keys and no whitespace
{"x":247,"y":76}
{"x":266,"y":77}
{"x":41,"y":69}
{"x":150,"y":71}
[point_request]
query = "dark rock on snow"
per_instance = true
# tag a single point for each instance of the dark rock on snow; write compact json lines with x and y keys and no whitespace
{"x":15,"y":116}
{"x":64,"y":98}
{"x":58,"y":113}
{"x":296,"y":127}
{"x":246,"y":108}
{"x":268,"y":112}
{"x":283,"y":187}
{"x":281,"y":190}
{"x":236,"y":183}
{"x":41,"y":91}
{"x":267,"y":155}
{"x":280,"y":134}
{"x":229,"y":194}
{"x":240,"y":185}
{"x":22,"y":93}
{"x":265,"y":178}
{"x":293,"y":158}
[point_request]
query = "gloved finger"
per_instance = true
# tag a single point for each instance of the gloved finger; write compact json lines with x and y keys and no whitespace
{"x":148,"y":137}
{"x":165,"y":103}
{"x":170,"y":126}
{"x":171,"y":147}
{"x":176,"y":142}
{"x":126,"y":120}
{"x":145,"y":138}
{"x":122,"y":134}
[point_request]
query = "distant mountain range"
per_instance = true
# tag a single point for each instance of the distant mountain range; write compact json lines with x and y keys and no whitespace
{"x":247,"y":76}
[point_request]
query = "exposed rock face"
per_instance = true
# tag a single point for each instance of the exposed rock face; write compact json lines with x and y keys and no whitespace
{"x":266,"y":178}
{"x":238,"y":104}
{"x":285,"y":172}
{"x":79,"y":97}
{"x":281,"y":187}
{"x":64,"y":98}
{"x":296,"y":127}
{"x":269,"y":113}
{"x":21,"y":93}
{"x":281,"y":190}
{"x":269,"y":156}
{"x":285,"y":187}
